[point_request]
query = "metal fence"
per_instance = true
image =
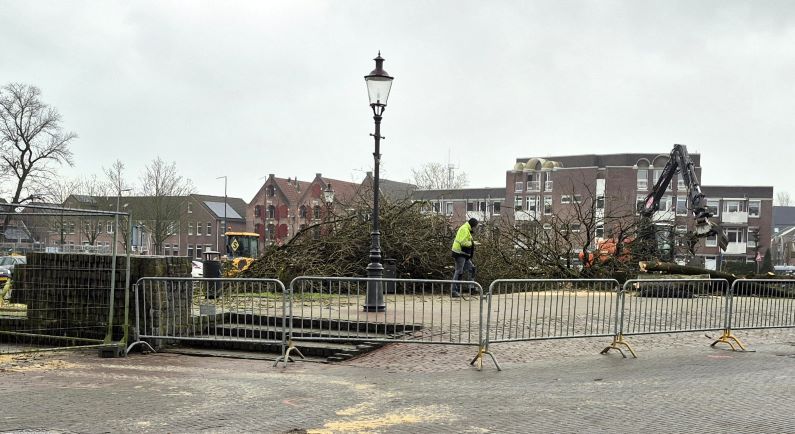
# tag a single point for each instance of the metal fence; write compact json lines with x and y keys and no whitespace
{"x":210,"y":310}
{"x":58,"y":300}
{"x":534,"y":309}
{"x":761,"y":304}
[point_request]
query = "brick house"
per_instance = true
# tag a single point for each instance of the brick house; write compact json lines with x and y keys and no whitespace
{"x":198,"y":224}
{"x":612,"y":185}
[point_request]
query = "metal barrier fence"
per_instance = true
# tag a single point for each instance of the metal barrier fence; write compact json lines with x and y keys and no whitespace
{"x":413,"y":311}
{"x":524,"y":310}
{"x":761,"y":304}
{"x":229,"y":310}
{"x":57,"y":300}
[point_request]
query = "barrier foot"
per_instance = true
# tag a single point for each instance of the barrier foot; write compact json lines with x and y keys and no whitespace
{"x":618,"y":341}
{"x":127,"y":351}
{"x":286,"y":357}
{"x":479,"y":358}
{"x":728,"y":338}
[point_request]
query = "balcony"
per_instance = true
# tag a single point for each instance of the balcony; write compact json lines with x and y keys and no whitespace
{"x":736,"y":249}
{"x":521,"y":215}
{"x":547,"y":185}
{"x":737,"y":217}
{"x":533,"y":185}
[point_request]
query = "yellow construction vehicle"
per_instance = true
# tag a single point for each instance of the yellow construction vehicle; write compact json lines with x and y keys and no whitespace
{"x":241,"y":250}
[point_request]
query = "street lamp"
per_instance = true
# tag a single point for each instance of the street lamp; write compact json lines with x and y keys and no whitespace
{"x":218,"y":248}
{"x":379,"y":83}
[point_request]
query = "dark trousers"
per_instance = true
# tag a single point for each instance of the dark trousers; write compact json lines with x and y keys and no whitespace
{"x":462,"y":264}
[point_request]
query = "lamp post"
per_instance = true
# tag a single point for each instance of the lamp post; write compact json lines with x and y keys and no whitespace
{"x":379,"y":83}
{"x":328,"y":198}
{"x":218,"y":248}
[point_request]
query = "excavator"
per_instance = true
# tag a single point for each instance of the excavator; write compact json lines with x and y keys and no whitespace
{"x":661,"y":236}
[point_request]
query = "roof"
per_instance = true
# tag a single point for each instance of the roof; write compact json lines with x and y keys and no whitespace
{"x":344,"y":191}
{"x":493,"y":193}
{"x":737,"y":191}
{"x":604,"y":160}
{"x":13,"y":233}
{"x":236,"y":203}
{"x":783,"y":216}
{"x":82,"y":198}
{"x":217,"y":208}
{"x":291,"y":188}
{"x":389,"y":188}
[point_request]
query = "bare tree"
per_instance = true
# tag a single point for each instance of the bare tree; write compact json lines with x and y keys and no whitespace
{"x":32,"y":141}
{"x":782,"y":198}
{"x":437,"y":176}
{"x":165,"y":191}
{"x":95,"y":192}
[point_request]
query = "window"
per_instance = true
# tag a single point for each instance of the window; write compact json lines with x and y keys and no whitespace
{"x":166,"y":248}
{"x":190,"y":250}
{"x":270,"y":232}
{"x":437,"y":206}
{"x":665,"y":203}
{"x":681,"y":229}
{"x":753,"y":236}
{"x":575,"y":227}
{"x":496,"y":207}
{"x":713,"y":205}
{"x":470,"y":206}
{"x":577,"y":198}
{"x":517,"y":203}
{"x":733,"y":206}
{"x":189,"y":210}
{"x":547,"y":205}
{"x":735,"y":235}
{"x":640,"y":202}
{"x":448,"y":208}
{"x":600,"y":201}
{"x":680,"y":183}
{"x":533,"y":184}
{"x":175,"y":250}
{"x":681,"y":205}
{"x":209,"y":229}
{"x":532,"y":203}
{"x":754,"y":208}
{"x":271,"y":191}
{"x":482,"y":206}
{"x":110,"y":227}
{"x":207,"y":247}
{"x":518,"y":187}
{"x":548,"y":181}
{"x":712,"y":241}
{"x":190,"y":229}
{"x":71,"y":228}
{"x":564,"y":199}
{"x":643,"y":179}
{"x":198,"y":228}
{"x":302,"y":212}
{"x":600,"y":231}
{"x":257,"y":210}
{"x":316,"y":212}
{"x":271,"y":212}
{"x":547,"y":227}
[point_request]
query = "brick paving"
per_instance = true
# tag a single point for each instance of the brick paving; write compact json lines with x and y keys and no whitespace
{"x":678,"y":384}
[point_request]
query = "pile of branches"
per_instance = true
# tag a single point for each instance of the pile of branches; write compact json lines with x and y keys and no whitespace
{"x":420,"y":243}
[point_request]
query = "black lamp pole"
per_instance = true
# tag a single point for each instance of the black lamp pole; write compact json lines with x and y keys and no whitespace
{"x":379,"y":83}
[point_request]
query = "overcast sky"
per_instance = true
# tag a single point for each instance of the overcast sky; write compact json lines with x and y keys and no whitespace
{"x":245,"y":89}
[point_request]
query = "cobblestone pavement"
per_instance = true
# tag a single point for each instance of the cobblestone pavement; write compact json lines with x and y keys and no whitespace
{"x":678,"y":384}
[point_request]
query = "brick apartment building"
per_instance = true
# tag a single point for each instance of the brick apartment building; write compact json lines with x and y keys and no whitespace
{"x":199,"y":225}
{"x":613,"y":184}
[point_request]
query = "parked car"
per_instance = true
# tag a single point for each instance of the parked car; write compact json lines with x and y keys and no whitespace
{"x":197,"y":268}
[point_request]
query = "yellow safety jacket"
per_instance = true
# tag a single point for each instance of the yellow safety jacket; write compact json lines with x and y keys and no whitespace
{"x":463,"y":238}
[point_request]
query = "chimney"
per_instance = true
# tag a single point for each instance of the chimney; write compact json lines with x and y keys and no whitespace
{"x":369,"y":174}
{"x":318,"y":175}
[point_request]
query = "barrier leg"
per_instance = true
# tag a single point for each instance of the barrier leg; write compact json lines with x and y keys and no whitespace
{"x":137,"y":343}
{"x":728,"y":338}
{"x":618,"y":342}
{"x":483,"y":349}
{"x":286,"y":357}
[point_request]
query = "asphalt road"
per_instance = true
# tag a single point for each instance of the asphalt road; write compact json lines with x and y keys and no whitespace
{"x":406,"y":388}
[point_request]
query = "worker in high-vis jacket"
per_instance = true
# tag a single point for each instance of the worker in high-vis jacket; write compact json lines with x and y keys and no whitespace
{"x":463,"y":251}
